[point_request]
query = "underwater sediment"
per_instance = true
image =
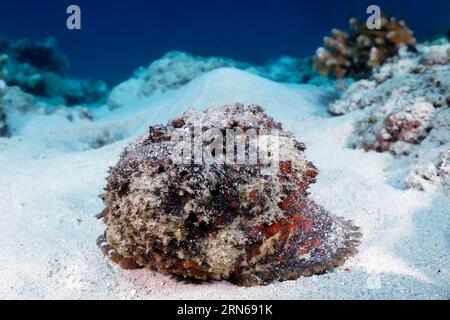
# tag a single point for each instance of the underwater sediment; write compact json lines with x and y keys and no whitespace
{"x":176,"y":69}
{"x":219,"y":220}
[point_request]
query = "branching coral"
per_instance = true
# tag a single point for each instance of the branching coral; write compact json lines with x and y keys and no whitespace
{"x":357,"y":53}
{"x":220,"y":220}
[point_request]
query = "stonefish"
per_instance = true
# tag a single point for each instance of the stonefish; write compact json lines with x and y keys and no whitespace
{"x":248,"y":222}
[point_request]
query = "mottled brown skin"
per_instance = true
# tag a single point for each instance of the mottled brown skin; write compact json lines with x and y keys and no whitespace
{"x":220,"y":221}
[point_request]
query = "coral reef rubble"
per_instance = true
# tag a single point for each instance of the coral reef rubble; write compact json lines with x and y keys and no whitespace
{"x":407,"y":106}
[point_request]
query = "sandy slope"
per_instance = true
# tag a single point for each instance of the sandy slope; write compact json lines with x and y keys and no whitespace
{"x":50,"y":180}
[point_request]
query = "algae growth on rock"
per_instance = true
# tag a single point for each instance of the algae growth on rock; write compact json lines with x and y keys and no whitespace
{"x":219,"y":220}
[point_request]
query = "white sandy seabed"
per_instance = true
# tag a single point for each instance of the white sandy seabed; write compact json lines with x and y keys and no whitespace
{"x":51,"y":179}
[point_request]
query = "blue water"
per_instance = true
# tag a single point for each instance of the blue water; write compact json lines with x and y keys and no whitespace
{"x":118,"y":36}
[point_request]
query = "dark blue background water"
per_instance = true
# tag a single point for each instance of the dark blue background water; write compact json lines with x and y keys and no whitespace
{"x":118,"y":36}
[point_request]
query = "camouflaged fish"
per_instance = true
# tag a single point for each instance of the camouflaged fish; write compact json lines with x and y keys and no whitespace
{"x":220,"y":220}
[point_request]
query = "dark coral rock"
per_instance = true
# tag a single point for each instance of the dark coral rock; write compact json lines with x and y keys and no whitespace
{"x":39,"y":68}
{"x":220,"y":220}
{"x":3,"y":126}
{"x":43,"y":56}
{"x":400,"y":129}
